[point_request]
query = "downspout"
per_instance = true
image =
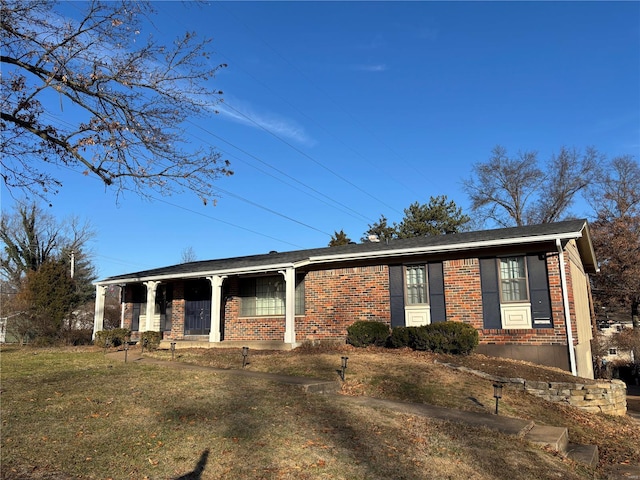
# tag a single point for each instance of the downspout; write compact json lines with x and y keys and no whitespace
{"x":567,"y":311}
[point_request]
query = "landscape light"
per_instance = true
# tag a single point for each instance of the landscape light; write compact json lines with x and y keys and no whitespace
{"x":343,"y":367}
{"x":126,"y":350}
{"x":245,"y":354}
{"x":173,"y":350}
{"x":497,"y":393}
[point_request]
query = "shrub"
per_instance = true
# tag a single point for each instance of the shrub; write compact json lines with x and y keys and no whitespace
{"x":152,"y":339}
{"x":399,"y":338}
{"x":449,"y":337}
{"x":115,"y":337}
{"x":78,"y":337}
{"x":364,"y":333}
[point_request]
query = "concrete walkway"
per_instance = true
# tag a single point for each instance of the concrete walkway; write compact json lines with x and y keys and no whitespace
{"x":554,"y":437}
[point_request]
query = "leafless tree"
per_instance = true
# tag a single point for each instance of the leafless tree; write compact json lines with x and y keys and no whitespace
{"x":615,"y":196}
{"x":92,"y":93}
{"x":29,"y":237}
{"x":518,"y":191}
{"x":188,"y":255}
{"x":567,"y":173}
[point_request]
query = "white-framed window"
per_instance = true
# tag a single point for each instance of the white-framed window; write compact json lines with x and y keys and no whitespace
{"x":513,"y":279}
{"x":416,"y":284}
{"x":266,"y":296}
{"x":263,"y":296}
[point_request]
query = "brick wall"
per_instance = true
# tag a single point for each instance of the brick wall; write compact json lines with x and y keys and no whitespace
{"x":463,"y":298}
{"x":336,"y":298}
{"x":177,"y":311}
{"x":462,"y":291}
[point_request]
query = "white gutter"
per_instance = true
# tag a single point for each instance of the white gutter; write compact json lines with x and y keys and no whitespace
{"x":200,"y":274}
{"x":567,"y":311}
{"x":444,"y":248}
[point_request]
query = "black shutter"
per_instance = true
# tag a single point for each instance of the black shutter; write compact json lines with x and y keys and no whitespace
{"x":490,"y":293}
{"x":396,"y":295}
{"x":539,"y":291}
{"x":436,"y":293}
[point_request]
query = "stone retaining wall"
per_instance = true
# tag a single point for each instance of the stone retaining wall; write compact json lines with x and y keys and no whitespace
{"x":603,"y":396}
{"x":607,"y":396}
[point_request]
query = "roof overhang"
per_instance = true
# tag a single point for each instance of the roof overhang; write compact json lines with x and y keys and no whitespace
{"x":582,"y":237}
{"x":200,"y":274}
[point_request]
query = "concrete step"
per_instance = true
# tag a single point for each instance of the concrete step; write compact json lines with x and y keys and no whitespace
{"x":557,"y":438}
{"x":585,"y":454}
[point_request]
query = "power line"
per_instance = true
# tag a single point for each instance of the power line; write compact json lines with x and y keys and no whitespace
{"x":339,"y":206}
{"x":323,"y":92}
{"x":306,"y":155}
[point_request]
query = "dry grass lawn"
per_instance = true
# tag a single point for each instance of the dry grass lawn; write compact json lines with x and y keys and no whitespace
{"x":76,"y":413}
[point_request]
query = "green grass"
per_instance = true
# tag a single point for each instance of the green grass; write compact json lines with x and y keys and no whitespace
{"x":74,"y":413}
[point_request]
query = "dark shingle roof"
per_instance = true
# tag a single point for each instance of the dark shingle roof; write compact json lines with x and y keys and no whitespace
{"x":503,"y":236}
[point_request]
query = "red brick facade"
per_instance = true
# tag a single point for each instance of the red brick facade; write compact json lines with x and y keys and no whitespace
{"x":337,"y":297}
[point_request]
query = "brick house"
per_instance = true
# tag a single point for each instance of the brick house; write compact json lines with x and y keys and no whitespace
{"x":525,"y":289}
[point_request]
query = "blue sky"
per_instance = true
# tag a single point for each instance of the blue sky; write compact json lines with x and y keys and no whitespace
{"x":338,"y":112}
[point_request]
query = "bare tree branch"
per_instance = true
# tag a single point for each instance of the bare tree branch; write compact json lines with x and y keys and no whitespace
{"x":129,"y":97}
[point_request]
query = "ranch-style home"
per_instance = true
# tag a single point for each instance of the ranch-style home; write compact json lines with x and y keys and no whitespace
{"x":525,"y":289}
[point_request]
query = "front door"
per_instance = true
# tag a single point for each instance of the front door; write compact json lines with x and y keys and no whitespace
{"x":197,"y":307}
{"x":197,"y":317}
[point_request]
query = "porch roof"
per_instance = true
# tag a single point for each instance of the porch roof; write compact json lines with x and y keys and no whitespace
{"x":274,"y":261}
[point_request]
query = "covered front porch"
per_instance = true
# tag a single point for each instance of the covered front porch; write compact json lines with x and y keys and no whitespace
{"x":252,"y":308}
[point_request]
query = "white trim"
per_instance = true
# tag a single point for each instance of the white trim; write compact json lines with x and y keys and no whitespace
{"x":386,"y":253}
{"x":516,"y":315}
{"x":98,"y":315}
{"x":215,"y":332}
{"x":443,"y":248}
{"x":290,"y":305}
{"x":202,"y":274}
{"x":567,"y":311}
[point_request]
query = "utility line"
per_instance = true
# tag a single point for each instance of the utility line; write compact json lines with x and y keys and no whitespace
{"x":323,"y":92}
{"x":336,"y":204}
{"x":306,"y":155}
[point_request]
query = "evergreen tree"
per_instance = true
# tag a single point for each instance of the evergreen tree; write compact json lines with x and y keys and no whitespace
{"x":438,"y":217}
{"x":381,"y":229}
{"x":339,"y":238}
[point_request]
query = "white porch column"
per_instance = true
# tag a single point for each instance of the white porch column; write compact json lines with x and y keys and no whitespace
{"x":151,"y":306}
{"x":215,"y":334}
{"x":122,"y":292}
{"x":290,"y":305}
{"x":98,"y":317}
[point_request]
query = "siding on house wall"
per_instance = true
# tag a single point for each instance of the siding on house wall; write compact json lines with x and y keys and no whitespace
{"x":582,"y":316}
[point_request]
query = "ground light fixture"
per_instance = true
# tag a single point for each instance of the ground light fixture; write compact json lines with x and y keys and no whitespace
{"x":145,"y":342}
{"x":173,"y":351}
{"x":343,"y":367}
{"x":245,"y":354}
{"x":126,"y":350}
{"x":497,"y":393}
